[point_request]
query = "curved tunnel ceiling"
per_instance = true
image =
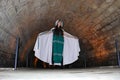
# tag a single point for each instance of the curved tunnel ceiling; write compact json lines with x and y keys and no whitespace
{"x":95,"y":22}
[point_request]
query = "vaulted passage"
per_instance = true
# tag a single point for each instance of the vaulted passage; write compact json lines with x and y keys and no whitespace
{"x":95,"y":22}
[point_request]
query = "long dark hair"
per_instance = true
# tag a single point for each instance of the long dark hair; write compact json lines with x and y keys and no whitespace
{"x":58,"y":30}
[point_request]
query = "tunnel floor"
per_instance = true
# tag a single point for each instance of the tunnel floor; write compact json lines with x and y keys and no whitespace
{"x":101,"y":73}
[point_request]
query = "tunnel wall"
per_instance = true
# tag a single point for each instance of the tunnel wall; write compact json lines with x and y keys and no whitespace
{"x":95,"y":22}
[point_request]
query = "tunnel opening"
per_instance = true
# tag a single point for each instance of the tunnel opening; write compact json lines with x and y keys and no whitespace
{"x":27,"y":57}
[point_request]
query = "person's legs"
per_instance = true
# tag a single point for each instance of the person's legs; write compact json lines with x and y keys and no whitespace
{"x":35,"y":62}
{"x":44,"y":65}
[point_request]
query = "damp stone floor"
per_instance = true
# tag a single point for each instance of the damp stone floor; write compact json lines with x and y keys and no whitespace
{"x":100,"y":73}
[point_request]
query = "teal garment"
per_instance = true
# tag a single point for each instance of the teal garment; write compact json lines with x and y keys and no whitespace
{"x":57,"y":48}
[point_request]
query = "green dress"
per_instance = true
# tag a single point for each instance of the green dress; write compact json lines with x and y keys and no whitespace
{"x":57,"y":48}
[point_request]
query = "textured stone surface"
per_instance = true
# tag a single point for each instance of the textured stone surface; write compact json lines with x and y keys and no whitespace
{"x":95,"y":22}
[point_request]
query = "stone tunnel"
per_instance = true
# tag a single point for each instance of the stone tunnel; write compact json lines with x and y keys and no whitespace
{"x":95,"y":22}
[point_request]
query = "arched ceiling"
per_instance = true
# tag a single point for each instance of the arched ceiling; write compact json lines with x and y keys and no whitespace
{"x":96,"y":22}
